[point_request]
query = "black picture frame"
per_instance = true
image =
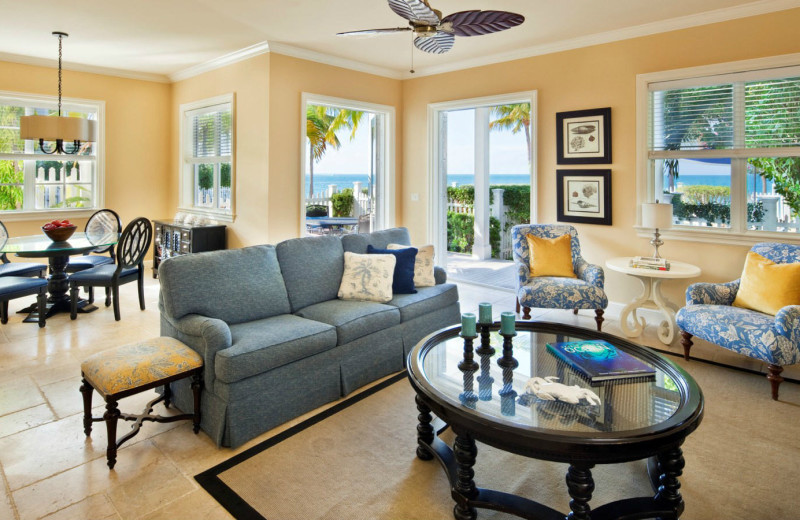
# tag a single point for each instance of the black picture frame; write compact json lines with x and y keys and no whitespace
{"x":584,"y":196}
{"x":584,"y":136}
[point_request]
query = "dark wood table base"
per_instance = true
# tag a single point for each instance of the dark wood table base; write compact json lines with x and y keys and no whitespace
{"x":57,"y":287}
{"x":663,"y":470}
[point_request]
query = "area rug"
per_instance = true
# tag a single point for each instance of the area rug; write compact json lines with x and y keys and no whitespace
{"x":357,"y":461}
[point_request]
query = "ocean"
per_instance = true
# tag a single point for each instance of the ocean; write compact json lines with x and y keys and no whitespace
{"x":346,"y":180}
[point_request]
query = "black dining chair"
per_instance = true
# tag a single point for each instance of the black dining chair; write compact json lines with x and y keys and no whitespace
{"x":12,"y":287}
{"x":129,"y":266}
{"x":102,"y":222}
{"x":9,"y":268}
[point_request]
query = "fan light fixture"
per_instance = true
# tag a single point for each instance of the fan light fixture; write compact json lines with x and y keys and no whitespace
{"x":58,"y":128}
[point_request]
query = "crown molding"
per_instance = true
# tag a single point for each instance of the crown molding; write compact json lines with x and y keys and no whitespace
{"x":637,"y":31}
{"x":222,"y":61}
{"x":335,"y":61}
{"x":79,"y":67}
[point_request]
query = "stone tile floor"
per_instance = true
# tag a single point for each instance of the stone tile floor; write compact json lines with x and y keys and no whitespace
{"x":48,"y":469}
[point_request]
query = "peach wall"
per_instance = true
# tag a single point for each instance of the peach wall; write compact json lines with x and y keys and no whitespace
{"x":137,"y":136}
{"x":289,"y":78}
{"x":249,"y":81}
{"x":593,"y":77}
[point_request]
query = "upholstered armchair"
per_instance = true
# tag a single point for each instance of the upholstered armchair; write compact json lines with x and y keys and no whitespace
{"x":555,"y":292}
{"x":710,"y":315}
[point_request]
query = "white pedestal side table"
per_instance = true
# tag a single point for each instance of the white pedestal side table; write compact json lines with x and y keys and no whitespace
{"x":651,"y":295}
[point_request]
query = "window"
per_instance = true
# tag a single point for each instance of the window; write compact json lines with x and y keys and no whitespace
{"x":34,"y":182}
{"x":207,"y":178}
{"x":725,"y":150}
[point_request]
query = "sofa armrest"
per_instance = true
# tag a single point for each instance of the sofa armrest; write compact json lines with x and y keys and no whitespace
{"x":523,"y":275}
{"x":590,"y":273}
{"x":204,"y":335}
{"x":787,"y":323}
{"x":712,"y":293}
{"x":439,"y":274}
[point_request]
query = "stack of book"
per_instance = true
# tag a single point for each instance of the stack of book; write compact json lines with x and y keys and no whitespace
{"x":649,"y":262}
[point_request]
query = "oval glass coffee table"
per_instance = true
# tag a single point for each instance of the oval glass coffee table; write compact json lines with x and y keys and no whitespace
{"x":481,"y":395}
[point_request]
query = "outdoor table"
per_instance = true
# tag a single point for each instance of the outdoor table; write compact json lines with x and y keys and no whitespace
{"x":331,"y":223}
{"x":57,"y":253}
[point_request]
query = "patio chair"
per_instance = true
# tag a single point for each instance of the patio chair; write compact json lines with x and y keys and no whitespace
{"x":364,"y":223}
{"x":129,"y":266}
{"x":710,"y":315}
{"x":585,"y":291}
{"x":9,"y":268}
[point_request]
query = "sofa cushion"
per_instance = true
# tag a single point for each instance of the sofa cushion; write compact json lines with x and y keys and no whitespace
{"x":233,"y":285}
{"x":358,"y":242}
{"x":403,"y":278}
{"x":426,"y":300}
{"x":352,"y":319}
{"x":312,"y":269}
{"x":423,"y":265}
{"x":262,"y":345}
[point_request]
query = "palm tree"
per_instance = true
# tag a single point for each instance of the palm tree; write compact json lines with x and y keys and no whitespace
{"x":322,"y":124}
{"x":515,"y":118}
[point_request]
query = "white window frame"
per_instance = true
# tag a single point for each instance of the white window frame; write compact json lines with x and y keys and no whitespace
{"x":385,"y":195}
{"x":787,"y":65}
{"x":98,"y":183}
{"x":187,"y":161}
{"x":437,"y":184}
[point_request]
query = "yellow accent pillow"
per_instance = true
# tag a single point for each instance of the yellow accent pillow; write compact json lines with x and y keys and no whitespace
{"x":551,"y":256}
{"x":766,"y":286}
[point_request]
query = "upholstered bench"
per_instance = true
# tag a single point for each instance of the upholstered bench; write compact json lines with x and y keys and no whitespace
{"x":128,"y":370}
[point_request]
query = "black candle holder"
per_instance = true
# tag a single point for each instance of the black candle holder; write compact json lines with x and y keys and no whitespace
{"x":486,"y":348}
{"x":468,"y":363}
{"x":507,"y":360}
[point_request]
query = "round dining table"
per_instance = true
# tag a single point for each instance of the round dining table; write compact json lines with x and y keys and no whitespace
{"x":57,"y":253}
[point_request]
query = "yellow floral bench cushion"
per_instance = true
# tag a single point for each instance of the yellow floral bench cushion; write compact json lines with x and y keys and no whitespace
{"x":132,"y":366}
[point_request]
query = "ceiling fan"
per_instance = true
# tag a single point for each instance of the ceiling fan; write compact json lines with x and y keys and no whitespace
{"x":435,"y":34}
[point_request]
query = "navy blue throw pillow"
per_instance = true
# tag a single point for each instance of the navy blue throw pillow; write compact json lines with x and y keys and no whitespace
{"x":403,"y":281}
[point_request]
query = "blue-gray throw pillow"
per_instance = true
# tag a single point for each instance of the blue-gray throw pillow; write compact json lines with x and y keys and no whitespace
{"x":403,"y":281}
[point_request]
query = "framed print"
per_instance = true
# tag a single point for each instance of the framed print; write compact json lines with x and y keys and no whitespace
{"x":584,"y":136}
{"x":584,"y":196}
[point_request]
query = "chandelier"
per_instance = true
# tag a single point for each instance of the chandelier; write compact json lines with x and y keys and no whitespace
{"x":59,"y":128}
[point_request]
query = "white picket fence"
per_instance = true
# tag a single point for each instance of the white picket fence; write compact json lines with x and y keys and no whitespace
{"x":498,"y":210}
{"x":362,"y":205}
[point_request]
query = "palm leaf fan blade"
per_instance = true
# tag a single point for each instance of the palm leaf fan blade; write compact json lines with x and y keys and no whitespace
{"x":415,"y":11}
{"x":477,"y":23}
{"x":437,"y":44}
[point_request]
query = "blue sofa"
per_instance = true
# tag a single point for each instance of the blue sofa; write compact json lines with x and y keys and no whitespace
{"x":275,"y":339}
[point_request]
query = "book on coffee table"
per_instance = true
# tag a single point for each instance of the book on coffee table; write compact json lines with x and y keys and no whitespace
{"x":599,"y":361}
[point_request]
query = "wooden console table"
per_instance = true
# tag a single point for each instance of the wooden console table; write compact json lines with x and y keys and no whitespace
{"x":176,"y":238}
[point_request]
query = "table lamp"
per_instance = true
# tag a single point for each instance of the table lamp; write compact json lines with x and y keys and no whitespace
{"x":657,"y":216}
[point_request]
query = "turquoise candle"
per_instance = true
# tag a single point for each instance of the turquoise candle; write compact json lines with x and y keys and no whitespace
{"x":484,"y":313}
{"x":507,"y":322}
{"x":468,"y":324}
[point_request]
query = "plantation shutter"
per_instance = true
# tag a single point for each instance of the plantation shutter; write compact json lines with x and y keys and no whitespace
{"x":738,"y":117}
{"x":211,"y":131}
{"x":772,"y":113}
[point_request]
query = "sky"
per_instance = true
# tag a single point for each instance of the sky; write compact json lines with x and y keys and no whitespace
{"x":507,"y":152}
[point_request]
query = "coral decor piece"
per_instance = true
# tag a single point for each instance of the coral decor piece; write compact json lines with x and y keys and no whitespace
{"x":546,"y":389}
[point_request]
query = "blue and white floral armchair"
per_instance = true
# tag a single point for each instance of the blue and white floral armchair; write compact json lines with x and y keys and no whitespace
{"x":553,"y":292}
{"x":710,"y":315}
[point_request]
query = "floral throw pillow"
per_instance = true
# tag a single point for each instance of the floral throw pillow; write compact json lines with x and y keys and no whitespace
{"x":423,"y":265}
{"x":367,"y":277}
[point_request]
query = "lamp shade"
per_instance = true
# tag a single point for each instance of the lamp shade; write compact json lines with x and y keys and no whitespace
{"x":52,"y":128}
{"x":656,"y":215}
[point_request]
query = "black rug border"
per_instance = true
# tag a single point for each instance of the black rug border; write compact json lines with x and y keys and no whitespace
{"x":240,"y":509}
{"x":228,"y":498}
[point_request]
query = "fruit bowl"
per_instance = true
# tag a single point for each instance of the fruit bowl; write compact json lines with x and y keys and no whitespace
{"x":61,"y":233}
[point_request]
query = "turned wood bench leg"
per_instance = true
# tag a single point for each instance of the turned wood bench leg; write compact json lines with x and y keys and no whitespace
{"x":87,"y":390}
{"x":111,"y":416}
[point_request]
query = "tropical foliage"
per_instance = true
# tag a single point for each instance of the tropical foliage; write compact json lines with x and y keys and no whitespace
{"x":516,"y":117}
{"x":343,"y":202}
{"x":322,"y":125}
